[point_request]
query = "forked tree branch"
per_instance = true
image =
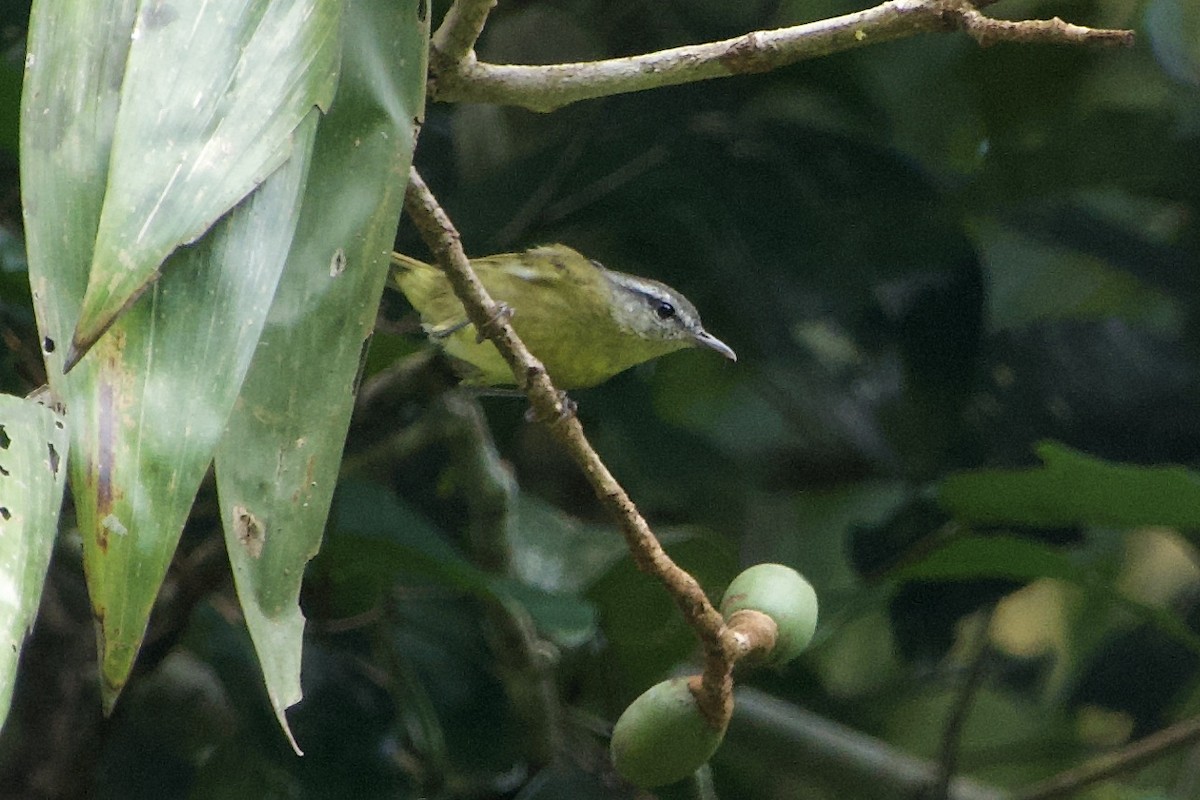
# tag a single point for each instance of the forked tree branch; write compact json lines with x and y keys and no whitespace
{"x":455,"y":75}
{"x":722,"y":645}
{"x":455,"y":37}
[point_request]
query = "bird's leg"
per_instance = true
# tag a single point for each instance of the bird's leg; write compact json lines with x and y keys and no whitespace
{"x":494,"y":391}
{"x":568,"y":406}
{"x":501,"y":315}
{"x":444,"y":333}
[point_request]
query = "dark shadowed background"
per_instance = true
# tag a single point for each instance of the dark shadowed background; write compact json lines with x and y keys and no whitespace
{"x":929,"y":257}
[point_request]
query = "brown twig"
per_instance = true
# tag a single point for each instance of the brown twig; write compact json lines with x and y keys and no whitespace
{"x":547,"y":87}
{"x":987,"y":31}
{"x":455,"y":38}
{"x":1128,"y":758}
{"x":947,"y":763}
{"x":721,"y":647}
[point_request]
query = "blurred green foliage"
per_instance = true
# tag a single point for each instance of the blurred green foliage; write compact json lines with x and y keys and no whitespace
{"x":930,"y":258}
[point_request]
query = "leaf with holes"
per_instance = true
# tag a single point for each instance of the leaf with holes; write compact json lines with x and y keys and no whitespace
{"x":148,"y":406}
{"x":33,"y":447}
{"x":279,"y":460}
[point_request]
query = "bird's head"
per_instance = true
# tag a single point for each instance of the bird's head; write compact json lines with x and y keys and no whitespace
{"x":655,"y":312}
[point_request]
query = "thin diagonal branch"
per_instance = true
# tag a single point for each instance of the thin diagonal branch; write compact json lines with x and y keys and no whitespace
{"x":947,"y":763}
{"x":1127,"y":759}
{"x":545,"y":88}
{"x":721,"y":646}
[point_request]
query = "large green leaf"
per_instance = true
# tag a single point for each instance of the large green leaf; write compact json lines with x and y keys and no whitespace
{"x":76,"y":56}
{"x":149,"y":405}
{"x":211,"y":95}
{"x":139,"y":469}
{"x":1072,"y":488}
{"x":278,"y":463}
{"x":33,"y":446}
{"x":970,"y":557}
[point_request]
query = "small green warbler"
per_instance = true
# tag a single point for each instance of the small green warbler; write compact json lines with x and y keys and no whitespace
{"x":583,"y":321}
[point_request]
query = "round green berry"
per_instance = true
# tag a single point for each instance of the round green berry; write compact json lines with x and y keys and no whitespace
{"x":783,"y":595}
{"x":662,"y":737}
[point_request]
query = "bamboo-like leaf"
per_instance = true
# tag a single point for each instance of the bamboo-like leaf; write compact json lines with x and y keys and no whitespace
{"x":33,"y":450}
{"x":148,"y":407}
{"x":164,"y":381}
{"x":210,"y":98}
{"x":74,"y":61}
{"x":278,"y":463}
{"x":75,"y":58}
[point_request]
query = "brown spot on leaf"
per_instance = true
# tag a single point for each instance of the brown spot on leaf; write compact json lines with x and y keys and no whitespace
{"x":251,"y":533}
{"x":109,"y":524}
{"x":310,"y":471}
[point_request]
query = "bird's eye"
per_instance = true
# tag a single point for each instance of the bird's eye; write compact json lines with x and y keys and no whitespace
{"x":664,"y":309}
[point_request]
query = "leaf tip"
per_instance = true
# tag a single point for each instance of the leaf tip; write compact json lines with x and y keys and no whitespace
{"x":74,"y":353}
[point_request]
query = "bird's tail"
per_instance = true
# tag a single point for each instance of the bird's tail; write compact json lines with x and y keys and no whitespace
{"x":406,"y":271}
{"x":403,"y":263}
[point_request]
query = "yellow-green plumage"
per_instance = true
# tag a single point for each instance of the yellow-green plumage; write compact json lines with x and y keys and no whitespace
{"x":584,"y":322}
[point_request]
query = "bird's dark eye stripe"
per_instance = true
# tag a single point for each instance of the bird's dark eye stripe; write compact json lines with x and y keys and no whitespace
{"x":664,"y":309}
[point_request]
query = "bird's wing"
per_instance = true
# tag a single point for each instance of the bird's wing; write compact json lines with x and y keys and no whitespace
{"x":543,"y":273}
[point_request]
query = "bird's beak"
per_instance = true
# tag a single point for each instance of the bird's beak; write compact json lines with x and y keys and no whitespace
{"x":706,"y":339}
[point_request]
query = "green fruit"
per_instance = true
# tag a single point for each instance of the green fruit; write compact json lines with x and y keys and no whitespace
{"x":783,"y":595}
{"x":662,"y":737}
